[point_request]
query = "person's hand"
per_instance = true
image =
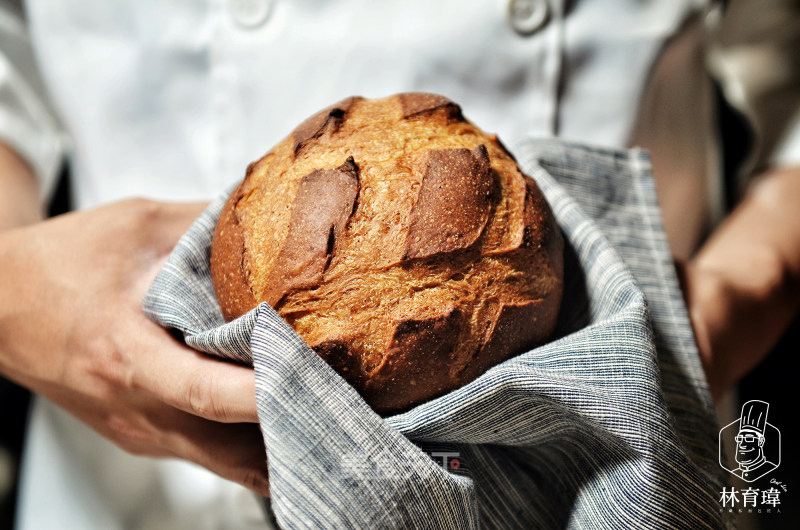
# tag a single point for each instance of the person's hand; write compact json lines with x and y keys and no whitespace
{"x":732,"y":328}
{"x":72,"y":330}
{"x":742,"y":289}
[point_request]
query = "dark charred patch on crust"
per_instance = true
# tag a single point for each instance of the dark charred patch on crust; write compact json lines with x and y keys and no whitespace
{"x":345,"y":362}
{"x":415,"y":104}
{"x":418,"y":355}
{"x":542,"y":233}
{"x":325,"y":201}
{"x":327,"y":120}
{"x":515,"y":327}
{"x":454,"y":202}
{"x":538,"y":219}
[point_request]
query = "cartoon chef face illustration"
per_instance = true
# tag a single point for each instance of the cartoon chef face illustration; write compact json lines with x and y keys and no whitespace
{"x":750,"y":442}
{"x":749,"y":447}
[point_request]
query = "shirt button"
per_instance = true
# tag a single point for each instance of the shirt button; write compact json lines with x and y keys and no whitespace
{"x":527,"y":16}
{"x":250,"y":13}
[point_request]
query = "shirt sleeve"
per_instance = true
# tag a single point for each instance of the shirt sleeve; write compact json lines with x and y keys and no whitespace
{"x":27,"y":123}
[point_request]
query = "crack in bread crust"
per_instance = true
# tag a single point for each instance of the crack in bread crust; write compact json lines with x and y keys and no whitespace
{"x":324,"y":203}
{"x":453,"y":204}
{"x":416,"y":265}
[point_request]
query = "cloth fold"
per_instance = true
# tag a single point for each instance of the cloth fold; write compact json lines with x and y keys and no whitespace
{"x":608,"y":425}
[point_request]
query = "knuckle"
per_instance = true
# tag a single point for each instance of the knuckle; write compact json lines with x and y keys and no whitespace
{"x":143,"y":211}
{"x":109,"y":362}
{"x":203,"y":398}
{"x":127,"y":434}
{"x":255,"y":480}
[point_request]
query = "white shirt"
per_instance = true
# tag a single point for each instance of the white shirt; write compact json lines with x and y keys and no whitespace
{"x":155,"y":94}
{"x":172,"y":100}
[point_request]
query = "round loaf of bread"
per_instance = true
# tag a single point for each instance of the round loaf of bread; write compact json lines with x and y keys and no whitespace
{"x":402,"y":243}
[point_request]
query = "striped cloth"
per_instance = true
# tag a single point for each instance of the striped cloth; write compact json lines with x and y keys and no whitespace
{"x":608,"y":426}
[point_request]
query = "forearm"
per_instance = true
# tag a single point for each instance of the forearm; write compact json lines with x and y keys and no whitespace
{"x":19,"y":206}
{"x":19,"y":191}
{"x":743,"y":287}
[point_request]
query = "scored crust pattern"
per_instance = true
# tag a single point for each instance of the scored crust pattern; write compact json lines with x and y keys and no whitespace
{"x":401,"y":242}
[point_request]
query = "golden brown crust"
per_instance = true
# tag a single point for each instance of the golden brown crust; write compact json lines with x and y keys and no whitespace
{"x":420,"y":104}
{"x":325,"y":121}
{"x":228,"y":254}
{"x":322,"y":206}
{"x":453,"y":204}
{"x":416,"y":361}
{"x":411,"y":268}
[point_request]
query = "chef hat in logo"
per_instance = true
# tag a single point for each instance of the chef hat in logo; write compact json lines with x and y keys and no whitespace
{"x":754,"y":416}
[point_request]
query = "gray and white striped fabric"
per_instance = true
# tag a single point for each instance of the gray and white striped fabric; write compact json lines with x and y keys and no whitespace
{"x":610,"y":425}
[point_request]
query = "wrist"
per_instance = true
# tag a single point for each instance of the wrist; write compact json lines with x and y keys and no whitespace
{"x":7,"y":298}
